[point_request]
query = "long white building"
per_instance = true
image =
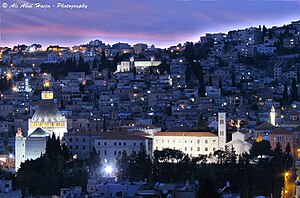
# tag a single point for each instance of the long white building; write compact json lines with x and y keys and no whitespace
{"x":193,"y":143}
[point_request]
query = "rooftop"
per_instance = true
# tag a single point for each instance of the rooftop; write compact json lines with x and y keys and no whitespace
{"x":192,"y":134}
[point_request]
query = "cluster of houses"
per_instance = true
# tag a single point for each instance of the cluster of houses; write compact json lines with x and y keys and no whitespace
{"x":139,"y":105}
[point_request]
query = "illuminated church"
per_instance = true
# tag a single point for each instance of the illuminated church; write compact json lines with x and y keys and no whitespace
{"x":44,"y":122}
{"x":48,"y":117}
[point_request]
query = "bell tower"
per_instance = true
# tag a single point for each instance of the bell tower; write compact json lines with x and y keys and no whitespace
{"x":222,"y":130}
{"x":273,"y":116}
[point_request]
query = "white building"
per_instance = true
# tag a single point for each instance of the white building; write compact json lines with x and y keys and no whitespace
{"x":110,"y":145}
{"x":124,"y":66}
{"x":222,"y":130}
{"x":52,"y":57}
{"x":239,"y":144}
{"x":30,"y":147}
{"x":265,"y":49}
{"x":211,"y":91}
{"x":193,"y":143}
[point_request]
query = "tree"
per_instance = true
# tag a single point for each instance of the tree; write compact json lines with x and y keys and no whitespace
{"x":95,"y":64}
{"x":230,"y":156}
{"x":221,"y":86}
{"x":198,"y":72}
{"x":104,"y":125}
{"x":210,"y":82}
{"x":94,"y":161}
{"x":51,"y":171}
{"x":288,"y":157}
{"x":123,"y":166}
{"x":260,"y":148}
{"x":202,"y":124}
{"x":104,"y":61}
{"x":285,"y":97}
{"x":164,"y":67}
{"x":208,"y":187}
{"x":294,"y":90}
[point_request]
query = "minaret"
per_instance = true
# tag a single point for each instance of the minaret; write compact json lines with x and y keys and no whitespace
{"x":222,"y":130}
{"x":272,"y":116}
{"x":19,"y":149}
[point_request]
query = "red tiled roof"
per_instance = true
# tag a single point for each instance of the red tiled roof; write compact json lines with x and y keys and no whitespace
{"x":195,"y":134}
{"x":110,"y":135}
{"x":281,"y":130}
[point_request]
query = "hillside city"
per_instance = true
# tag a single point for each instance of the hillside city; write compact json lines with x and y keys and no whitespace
{"x":216,"y":118}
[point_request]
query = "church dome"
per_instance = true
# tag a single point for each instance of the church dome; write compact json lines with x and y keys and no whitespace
{"x":47,"y":112}
{"x":39,"y":133}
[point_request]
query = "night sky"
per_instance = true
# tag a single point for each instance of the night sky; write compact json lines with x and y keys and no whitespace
{"x":159,"y":22}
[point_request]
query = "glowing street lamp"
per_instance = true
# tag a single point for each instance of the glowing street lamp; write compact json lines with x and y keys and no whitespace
{"x":108,"y":170}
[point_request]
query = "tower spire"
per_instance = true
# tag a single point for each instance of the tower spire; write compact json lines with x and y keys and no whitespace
{"x":273,"y":116}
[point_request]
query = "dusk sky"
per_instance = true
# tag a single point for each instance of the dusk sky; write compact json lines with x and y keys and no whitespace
{"x":159,"y":22}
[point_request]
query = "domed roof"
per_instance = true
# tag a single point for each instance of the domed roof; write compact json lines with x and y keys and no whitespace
{"x":47,"y":112}
{"x":39,"y":133}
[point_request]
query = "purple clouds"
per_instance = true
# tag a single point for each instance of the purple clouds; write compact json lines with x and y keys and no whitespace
{"x":162,"y":23}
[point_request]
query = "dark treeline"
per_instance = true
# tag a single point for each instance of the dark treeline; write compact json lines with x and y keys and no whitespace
{"x":62,"y":68}
{"x":248,"y":174}
{"x":52,"y":171}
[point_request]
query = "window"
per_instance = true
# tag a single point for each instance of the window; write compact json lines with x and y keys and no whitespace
{"x":70,"y":146}
{"x":83,"y":147}
{"x":221,"y":121}
{"x":115,"y":143}
{"x":98,"y":143}
{"x":120,"y":143}
{"x":83,"y":140}
{"x":206,"y":141}
{"x":214,"y":149}
{"x":198,"y":141}
{"x":115,"y":152}
{"x":185,"y":148}
{"x":214,"y":140}
{"x":105,"y":152}
{"x":198,"y":148}
{"x":134,"y":144}
{"x":76,"y":147}
{"x":221,"y":133}
{"x":104,"y":143}
{"x":124,"y":143}
{"x":70,"y":139}
{"x":206,"y":149}
{"x":191,"y":148}
{"x":76,"y":139}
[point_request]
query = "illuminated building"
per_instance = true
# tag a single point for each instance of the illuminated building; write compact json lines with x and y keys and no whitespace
{"x":48,"y":117}
{"x":273,"y":116}
{"x":30,"y":147}
{"x":44,"y":122}
{"x":193,"y":143}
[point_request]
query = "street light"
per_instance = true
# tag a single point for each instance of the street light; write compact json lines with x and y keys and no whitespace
{"x":108,"y":170}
